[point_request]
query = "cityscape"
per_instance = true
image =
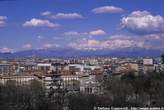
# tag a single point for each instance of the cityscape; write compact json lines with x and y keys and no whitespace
{"x":81,"y":55}
{"x":86,"y":76}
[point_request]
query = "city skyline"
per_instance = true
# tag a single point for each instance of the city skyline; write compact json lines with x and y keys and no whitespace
{"x":81,"y":25}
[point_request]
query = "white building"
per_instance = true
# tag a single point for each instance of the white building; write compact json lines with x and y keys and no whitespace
{"x":71,"y":82}
{"x":81,"y":69}
{"x":148,"y":65}
{"x":23,"y":79}
{"x":89,"y":84}
{"x":148,"y":61}
{"x":44,"y":67}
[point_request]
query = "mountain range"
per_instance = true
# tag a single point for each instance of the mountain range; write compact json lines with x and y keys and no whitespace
{"x":69,"y":52}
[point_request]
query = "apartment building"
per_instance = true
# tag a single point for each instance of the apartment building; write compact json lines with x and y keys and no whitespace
{"x":6,"y":69}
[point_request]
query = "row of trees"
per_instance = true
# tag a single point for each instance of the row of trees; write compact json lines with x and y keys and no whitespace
{"x":162,"y":58}
{"x":146,"y":90}
{"x":127,"y":91}
{"x":24,"y":97}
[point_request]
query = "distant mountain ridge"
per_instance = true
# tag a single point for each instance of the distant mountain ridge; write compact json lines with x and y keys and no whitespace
{"x":69,"y":52}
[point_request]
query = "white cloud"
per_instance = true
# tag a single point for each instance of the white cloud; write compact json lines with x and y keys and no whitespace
{"x":2,"y":20}
{"x":3,"y":17}
{"x":46,"y":13}
{"x":27,"y":46}
{"x":85,"y":44}
{"x":124,"y":43}
{"x":67,"y":16}
{"x":152,"y":37}
{"x":74,"y":33}
{"x":40,"y":37}
{"x":6,"y":50}
{"x":142,"y":22}
{"x":91,"y":33}
{"x":62,"y":15}
{"x":2,"y":23}
{"x":97,"y":32}
{"x":155,"y":41}
{"x":114,"y":42}
{"x":50,"y":45}
{"x":107,"y":9}
{"x":34,"y":22}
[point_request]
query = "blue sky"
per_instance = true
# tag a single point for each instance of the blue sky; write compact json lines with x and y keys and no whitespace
{"x":81,"y":24}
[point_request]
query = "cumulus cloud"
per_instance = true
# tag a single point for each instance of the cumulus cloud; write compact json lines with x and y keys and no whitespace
{"x":2,"y":20}
{"x":27,"y":46}
{"x":91,"y":33}
{"x":6,"y":50}
{"x":142,"y":22}
{"x":107,"y":9}
{"x":113,"y":43}
{"x":62,"y":15}
{"x":34,"y":22}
